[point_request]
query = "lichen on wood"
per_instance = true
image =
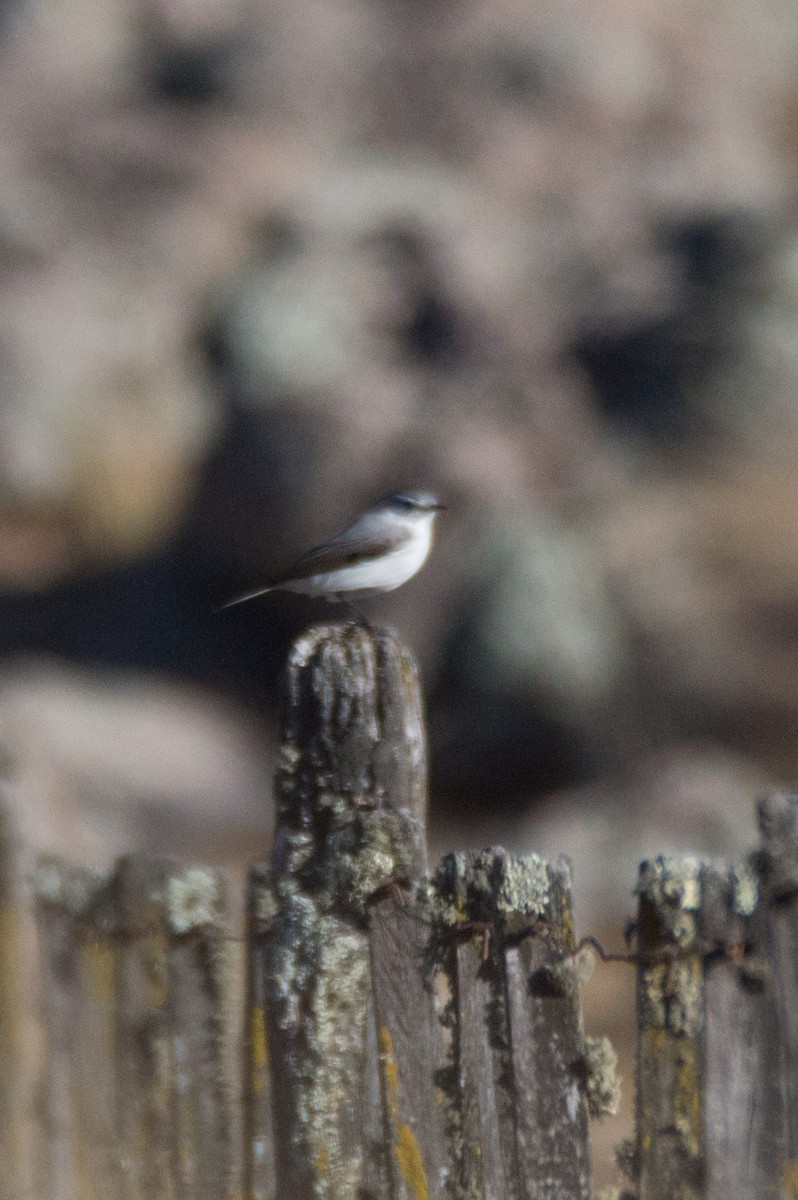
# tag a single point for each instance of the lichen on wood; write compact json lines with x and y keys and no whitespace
{"x":351,"y":779}
{"x":670,"y":1112}
{"x":602,"y":1081}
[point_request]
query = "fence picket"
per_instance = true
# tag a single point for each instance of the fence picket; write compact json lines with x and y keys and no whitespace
{"x":744,"y":1111}
{"x":351,"y":796}
{"x":518,"y":1047}
{"x":173,"y":1107}
{"x":76,"y":1159}
{"x":16,"y":973}
{"x":778,"y":824}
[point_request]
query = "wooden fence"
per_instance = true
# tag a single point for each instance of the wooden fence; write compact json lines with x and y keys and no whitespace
{"x":386,"y":1033}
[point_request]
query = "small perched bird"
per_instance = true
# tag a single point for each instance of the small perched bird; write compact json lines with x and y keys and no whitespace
{"x":378,"y":552}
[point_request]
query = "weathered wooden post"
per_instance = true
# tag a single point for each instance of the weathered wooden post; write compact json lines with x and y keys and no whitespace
{"x":670,"y":1112}
{"x":522,"y":1072}
{"x":258,"y":1101}
{"x":743,"y":1102}
{"x":351,"y":793}
{"x":778,"y":866}
{"x":174,"y":1116}
{"x":718,"y":1021}
{"x":77,"y":1151}
{"x":135,"y":1098}
{"x":14,"y":1071}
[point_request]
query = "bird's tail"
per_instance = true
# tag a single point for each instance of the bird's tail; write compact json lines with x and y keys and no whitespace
{"x":244,"y":597}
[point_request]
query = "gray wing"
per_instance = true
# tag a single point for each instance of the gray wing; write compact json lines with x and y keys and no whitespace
{"x":359,"y":542}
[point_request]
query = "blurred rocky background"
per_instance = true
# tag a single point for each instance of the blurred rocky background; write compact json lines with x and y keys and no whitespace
{"x":260,"y":262}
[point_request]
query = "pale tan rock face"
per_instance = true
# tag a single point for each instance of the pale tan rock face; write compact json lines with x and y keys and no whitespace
{"x":98,"y":763}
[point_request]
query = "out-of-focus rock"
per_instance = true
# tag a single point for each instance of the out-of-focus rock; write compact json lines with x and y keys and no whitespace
{"x":684,"y":798}
{"x":103,"y":418}
{"x":706,"y":571}
{"x":99,"y":763}
{"x":546,"y":620}
{"x":533,"y":664}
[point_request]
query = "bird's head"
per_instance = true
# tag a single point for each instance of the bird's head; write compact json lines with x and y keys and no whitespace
{"x":411,"y":504}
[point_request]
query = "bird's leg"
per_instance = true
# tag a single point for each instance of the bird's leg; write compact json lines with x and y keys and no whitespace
{"x":354,"y":616}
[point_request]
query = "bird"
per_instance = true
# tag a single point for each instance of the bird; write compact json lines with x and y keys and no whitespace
{"x":378,"y":552}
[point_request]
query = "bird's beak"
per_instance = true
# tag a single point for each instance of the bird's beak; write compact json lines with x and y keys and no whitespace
{"x":438,"y":507}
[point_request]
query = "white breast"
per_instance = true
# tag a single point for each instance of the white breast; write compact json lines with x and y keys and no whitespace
{"x":376,"y":575}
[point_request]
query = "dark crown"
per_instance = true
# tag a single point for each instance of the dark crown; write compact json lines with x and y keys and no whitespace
{"x":413,"y":501}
